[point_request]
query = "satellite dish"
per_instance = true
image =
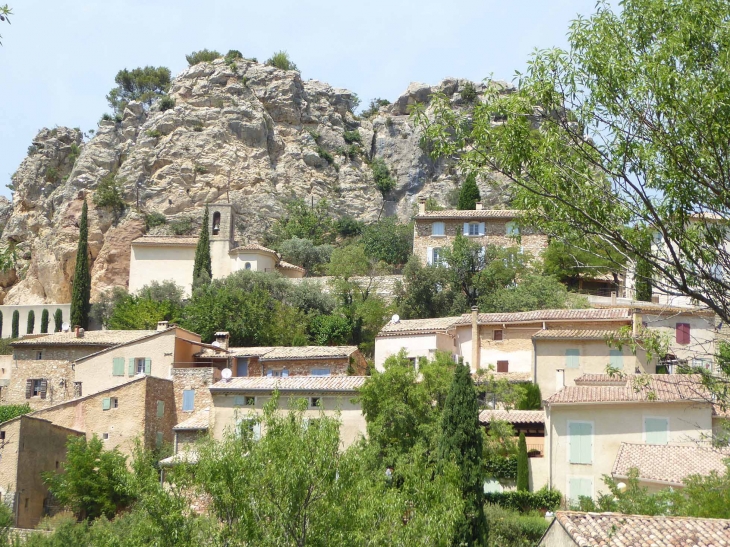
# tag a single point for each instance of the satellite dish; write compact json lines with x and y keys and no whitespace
{"x":65,"y":327}
{"x":216,"y":344}
{"x":395,"y":319}
{"x":226,"y":373}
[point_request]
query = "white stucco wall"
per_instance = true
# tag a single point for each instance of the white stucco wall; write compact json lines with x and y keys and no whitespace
{"x":161,"y":263}
{"x":415,"y":345}
{"x":260,"y":262}
{"x":7,"y":317}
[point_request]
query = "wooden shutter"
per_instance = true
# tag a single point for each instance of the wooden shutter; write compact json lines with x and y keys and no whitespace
{"x":497,"y":335}
{"x":682,"y":333}
{"x":429,"y":255}
{"x":147,"y":365}
{"x":482,"y":228}
{"x":106,"y":403}
{"x":466,"y":228}
{"x":581,"y":442}
{"x":44,"y":388}
{"x":160,"y":409}
{"x":28,"y":389}
{"x":616,"y":357}
{"x":572,"y":358}
{"x":502,"y":366}
{"x":118,"y":366}
{"x":656,"y":430}
{"x":131,"y":370}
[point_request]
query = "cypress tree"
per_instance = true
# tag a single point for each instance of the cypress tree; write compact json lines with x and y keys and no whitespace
{"x":1,"y":324}
{"x":44,"y":322}
{"x":531,"y":398}
{"x":57,"y":320}
{"x":461,"y":442}
{"x":16,"y":324}
{"x":30,"y":326}
{"x":202,"y":271}
{"x":523,"y":466}
{"x":469,"y":194}
{"x":643,"y":281}
{"x":81,"y":293}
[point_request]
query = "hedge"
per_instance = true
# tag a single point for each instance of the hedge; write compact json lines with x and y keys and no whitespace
{"x":501,"y":467}
{"x":542,"y":500}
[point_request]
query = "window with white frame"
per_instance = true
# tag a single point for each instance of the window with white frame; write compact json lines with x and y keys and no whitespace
{"x":139,"y":363}
{"x":580,"y":442}
{"x":473,"y":228}
{"x":281,"y":373}
{"x":188,"y":402}
{"x":656,"y":430}
{"x":438,"y":229}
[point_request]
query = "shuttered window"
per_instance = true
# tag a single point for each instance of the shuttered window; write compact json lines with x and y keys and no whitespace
{"x":438,"y":229}
{"x":188,"y":400}
{"x":147,"y":365}
{"x":616,"y":359}
{"x":131,"y":370}
{"x":572,"y":358}
{"x":106,"y":403}
{"x":578,"y":488}
{"x":682,"y":333}
{"x":239,"y":400}
{"x":118,"y":366}
{"x":502,"y":366}
{"x":474,"y":228}
{"x":497,"y":335}
{"x":160,"y":409}
{"x":656,"y":430}
{"x":320,"y":372}
{"x":43,"y":388}
{"x":242,"y":366}
{"x":580,"y":439}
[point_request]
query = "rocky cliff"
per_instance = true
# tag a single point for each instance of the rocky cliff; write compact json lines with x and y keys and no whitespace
{"x":248,"y":133}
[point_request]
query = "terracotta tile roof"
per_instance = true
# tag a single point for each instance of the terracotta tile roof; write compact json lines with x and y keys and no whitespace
{"x":600,"y":380}
{"x":617,"y":530}
{"x":668,"y":463}
{"x":651,"y":308}
{"x":90,"y":338}
{"x":469,"y":214}
{"x":513,"y":416}
{"x":198,"y":421}
{"x":309,"y":352}
{"x":253,"y":247}
{"x":589,"y":314}
{"x":292,"y":383}
{"x":175,"y":241}
{"x":186,"y":456}
{"x":573,"y":334}
{"x":288,"y":266}
{"x":418,"y":326}
{"x":661,"y":388}
{"x":511,"y":377}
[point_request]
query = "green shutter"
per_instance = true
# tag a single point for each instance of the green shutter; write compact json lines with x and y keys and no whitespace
{"x":106,"y":403}
{"x":617,"y":359}
{"x":118,"y":366}
{"x":581,"y":442}
{"x":160,"y":438}
{"x":572,"y":358}
{"x":147,"y":365}
{"x":160,"y":409}
{"x":657,"y":430}
{"x":130,"y":370}
{"x":579,"y":487}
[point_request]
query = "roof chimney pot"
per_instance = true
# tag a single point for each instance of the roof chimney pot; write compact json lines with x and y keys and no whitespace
{"x":422,"y":206}
{"x":480,"y":206}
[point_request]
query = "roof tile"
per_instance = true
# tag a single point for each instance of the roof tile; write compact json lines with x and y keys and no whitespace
{"x":513,"y":416}
{"x":574,"y":334}
{"x":472,"y":214}
{"x":588,"y":314}
{"x":293,"y":383}
{"x":90,"y":338}
{"x":198,"y":421}
{"x":175,"y":241}
{"x":418,"y":326}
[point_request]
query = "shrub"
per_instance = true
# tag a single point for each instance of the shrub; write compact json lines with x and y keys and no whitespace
{"x":166,"y":103}
{"x":232,"y":55}
{"x":32,"y":149}
{"x":501,"y":467}
{"x":44,"y":322}
{"x":519,"y":500}
{"x":8,"y":412}
{"x":352,"y":136}
{"x":51,"y":174}
{"x":352,"y":151}
{"x":384,"y":182}
{"x":74,"y":153}
{"x":523,"y":465}
{"x":347,"y":226}
{"x":281,"y":60}
{"x":202,"y":56}
{"x":182,"y":226}
{"x":512,"y":529}
{"x":154,"y":133}
{"x":375,"y":105}
{"x":141,"y":84}
{"x":389,"y":241}
{"x":325,"y":155}
{"x":198,"y":127}
{"x":57,"y":320}
{"x":109,"y":193}
{"x":468,"y":92}
{"x":154,"y":219}
{"x":106,"y":117}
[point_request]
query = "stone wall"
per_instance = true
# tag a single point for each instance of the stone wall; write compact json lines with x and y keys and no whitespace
{"x":159,"y":390}
{"x":199,"y":379}
{"x":303,"y":367}
{"x":59,"y":378}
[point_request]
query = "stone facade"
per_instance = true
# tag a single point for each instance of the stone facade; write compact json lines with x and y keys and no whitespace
{"x":197,"y":379}
{"x":58,"y":375}
{"x":303,"y":367}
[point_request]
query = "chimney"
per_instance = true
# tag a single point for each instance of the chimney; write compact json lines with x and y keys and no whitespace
{"x":559,"y":379}
{"x":162,"y":325}
{"x":613,"y":298}
{"x":480,"y":206}
{"x":474,"y":338}
{"x":636,"y":323}
{"x":222,"y":339}
{"x":421,"y":206}
{"x":79,"y":332}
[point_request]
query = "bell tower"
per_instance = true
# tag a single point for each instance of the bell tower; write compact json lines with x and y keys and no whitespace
{"x":221,"y":232}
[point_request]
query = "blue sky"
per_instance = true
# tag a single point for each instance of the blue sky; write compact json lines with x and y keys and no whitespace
{"x":59,"y":58}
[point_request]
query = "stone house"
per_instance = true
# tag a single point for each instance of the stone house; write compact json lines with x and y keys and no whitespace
{"x":575,"y":529}
{"x":30,"y":446}
{"x":434,"y":230}
{"x":587,"y":425}
{"x":171,"y":258}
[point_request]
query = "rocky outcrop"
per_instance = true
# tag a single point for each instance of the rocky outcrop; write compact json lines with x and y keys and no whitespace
{"x":247,"y":133}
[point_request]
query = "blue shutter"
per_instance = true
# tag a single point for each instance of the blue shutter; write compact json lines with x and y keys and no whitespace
{"x":106,"y":403}
{"x":131,"y":370}
{"x":285,"y":373}
{"x":656,"y":430}
{"x":256,"y":431}
{"x":239,"y":400}
{"x":320,"y":372}
{"x":616,"y":359}
{"x":466,"y":228}
{"x":579,"y":487}
{"x":581,"y":442}
{"x":482,"y":228}
{"x":147,"y":365}
{"x":188,"y":400}
{"x":572,"y":358}
{"x":118,"y":366}
{"x":160,"y":409}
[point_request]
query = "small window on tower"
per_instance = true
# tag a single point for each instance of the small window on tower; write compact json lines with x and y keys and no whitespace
{"x":216,"y":223}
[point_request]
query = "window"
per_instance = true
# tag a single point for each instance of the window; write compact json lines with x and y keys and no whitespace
{"x":579,"y":487}
{"x":105,"y":436}
{"x":511,"y":229}
{"x":438,"y":229}
{"x":108,"y":403}
{"x":115,"y":402}
{"x":315,"y":402}
{"x":118,"y":366}
{"x":247,"y":265}
{"x":242,"y":366}
{"x":188,"y":402}
{"x":216,"y":223}
{"x":320,"y":372}
{"x":656,"y":430}
{"x":37,"y":387}
{"x":616,"y":359}
{"x":434,"y":256}
{"x":238,"y":400}
{"x":278,"y":373}
{"x":502,"y":366}
{"x":473,"y":229}
{"x":2,"y":435}
{"x":160,"y":409}
{"x":580,"y":441}
{"x":497,"y":335}
{"x":572,"y":358}
{"x":682,"y":331}
{"x":250,"y":401}
{"x":140,"y":365}
{"x":77,"y":389}
{"x":39,"y":355}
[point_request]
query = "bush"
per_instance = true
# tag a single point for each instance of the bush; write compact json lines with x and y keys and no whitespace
{"x":8,"y":412}
{"x":73,"y":154}
{"x":232,"y":56}
{"x":109,"y":193}
{"x":141,"y":84}
{"x":154,"y":219}
{"x":375,"y":105}
{"x":468,"y":92}
{"x":44,"y":322}
{"x":349,"y":227}
{"x":57,"y":320}
{"x":202,"y":56}
{"x":353,"y":137}
{"x":381,"y":174}
{"x":182,"y":226}
{"x":281,"y":60}
{"x":304,"y":253}
{"x":512,"y":529}
{"x":330,"y":330}
{"x":30,"y":325}
{"x":51,"y":174}
{"x":519,"y":500}
{"x":198,"y":127}
{"x":106,"y":117}
{"x":154,"y":133}
{"x":325,"y":155}
{"x":500,"y":467}
{"x":389,"y":241}
{"x":166,"y":103}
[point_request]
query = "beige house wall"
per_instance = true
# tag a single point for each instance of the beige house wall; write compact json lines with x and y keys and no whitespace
{"x":556,"y":536}
{"x":353,"y":424}
{"x":702,"y":334}
{"x":161,"y":263}
{"x":7,"y":317}
{"x":612,"y":425}
{"x":415,"y":345}
{"x":539,"y":473}
{"x":303,"y":367}
{"x":258,"y":261}
{"x":9,"y":455}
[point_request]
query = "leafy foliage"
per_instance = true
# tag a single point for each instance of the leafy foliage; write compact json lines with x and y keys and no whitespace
{"x":388,"y":241}
{"x":374,"y":106}
{"x":140,"y":84}
{"x":468,"y":92}
{"x":469,"y":194}
{"x":154,"y":219}
{"x":352,"y":137}
{"x":532,"y":292}
{"x":8,"y":412}
{"x":520,"y":500}
{"x":306,"y":254}
{"x":305,"y":222}
{"x":152,"y":303}
{"x":202,"y":56}
{"x":57,"y":320}
{"x":108,"y":193}
{"x":182,"y":226}
{"x":523,"y":465}
{"x":381,"y":174}
{"x":509,"y":528}
{"x":166,"y":103}
{"x":44,"y":322}
{"x":426,"y":292}
{"x":531,"y":398}
{"x":30,"y":325}
{"x":202,"y":269}
{"x":281,"y":60}
{"x":81,"y":288}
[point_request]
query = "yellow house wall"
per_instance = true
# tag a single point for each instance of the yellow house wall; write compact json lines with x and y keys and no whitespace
{"x":353,"y":422}
{"x":612,"y":425}
{"x":161,"y":263}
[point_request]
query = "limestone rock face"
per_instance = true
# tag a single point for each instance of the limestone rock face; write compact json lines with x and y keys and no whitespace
{"x":246,"y":133}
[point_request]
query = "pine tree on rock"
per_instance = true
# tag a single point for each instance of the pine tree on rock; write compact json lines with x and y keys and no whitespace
{"x":461,"y":442}
{"x":16,"y":324}
{"x":202,"y":270}
{"x":57,"y":320}
{"x":523,"y":466}
{"x":81,"y":292}
{"x":469,"y":194}
{"x":44,"y":322}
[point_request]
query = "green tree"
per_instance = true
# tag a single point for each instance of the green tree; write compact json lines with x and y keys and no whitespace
{"x":461,"y":442}
{"x":469,"y":194}
{"x":202,"y":269}
{"x":389,"y":241}
{"x":81,"y":289}
{"x":16,"y":324}
{"x":152,"y":303}
{"x":381,"y":174}
{"x":304,"y":253}
{"x":44,"y":322}
{"x":426,"y":292}
{"x":531,"y":292}
{"x":643,"y":275}
{"x":330,"y":330}
{"x":530,"y":398}
{"x":281,"y":60}
{"x":568,"y":263}
{"x":312,"y":222}
{"x":603,"y":139}
{"x":523,"y":465}
{"x":1,"y":322}
{"x":57,"y":320}
{"x":140,"y":84}
{"x":8,"y":412}
{"x":5,"y":13}
{"x":30,"y":325}
{"x":93,"y":481}
{"x":202,"y":56}
{"x":109,"y":193}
